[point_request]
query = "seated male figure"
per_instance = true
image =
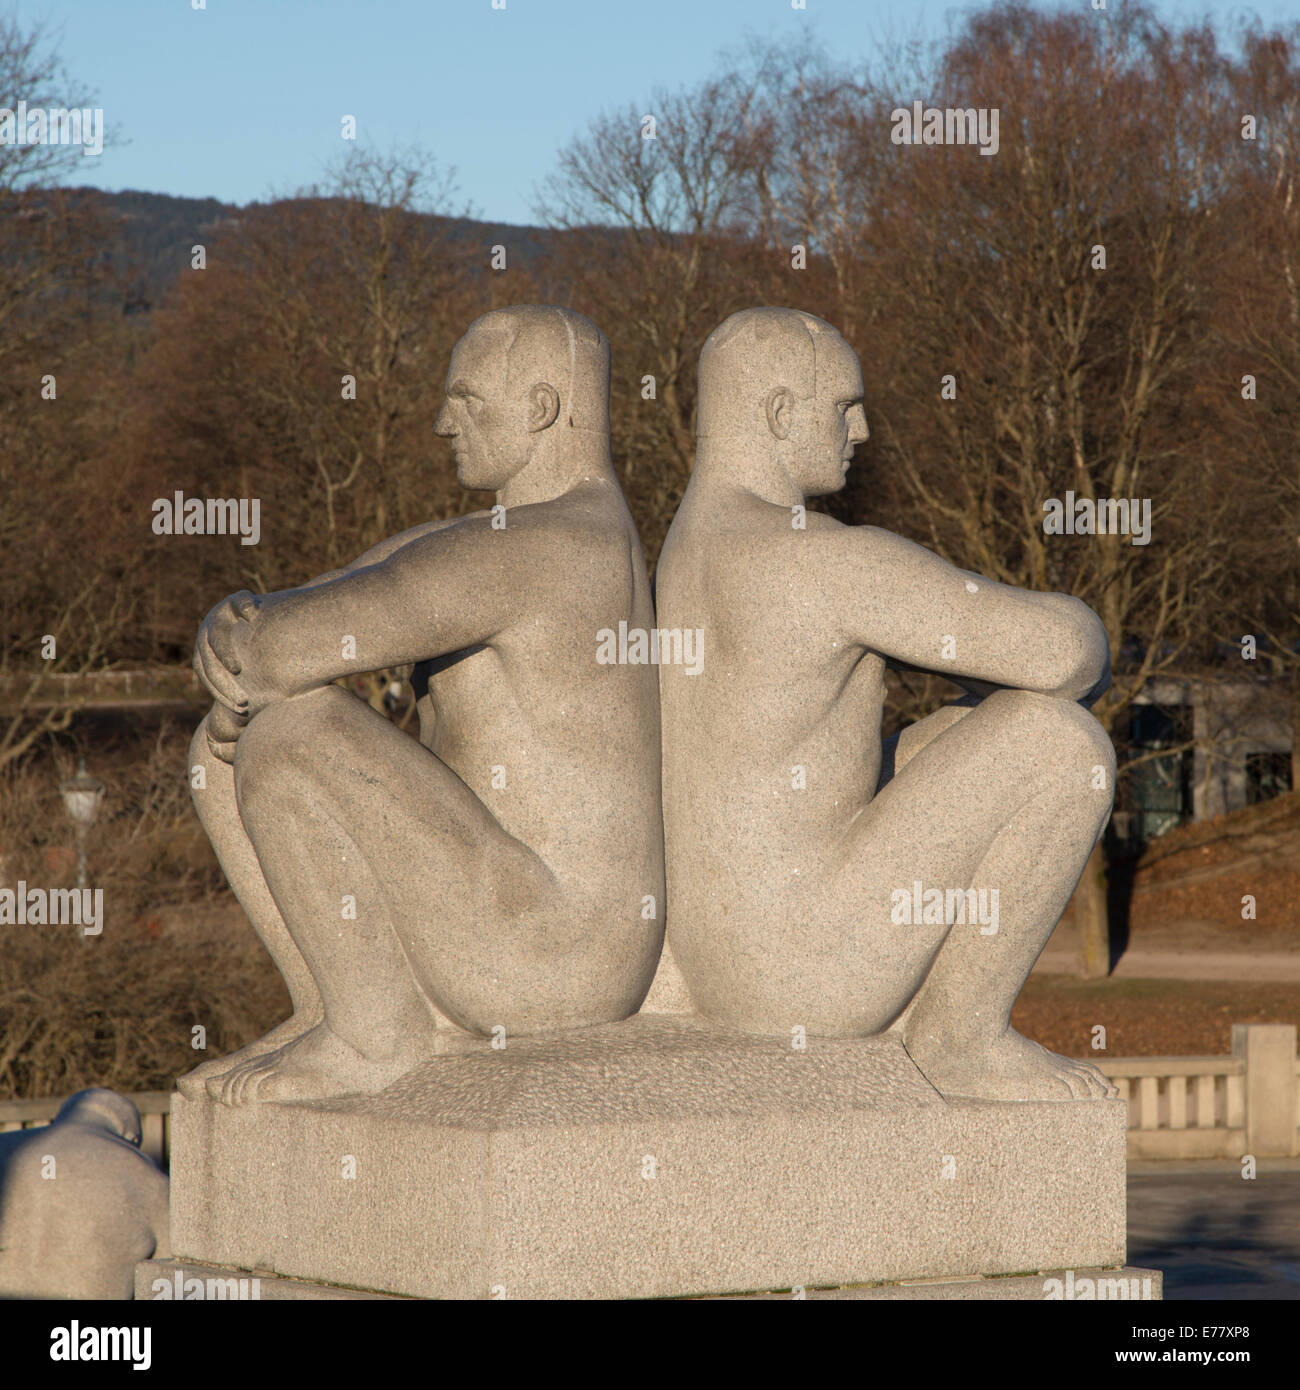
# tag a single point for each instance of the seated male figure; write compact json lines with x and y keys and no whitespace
{"x":794,"y":834}
{"x":496,"y":871}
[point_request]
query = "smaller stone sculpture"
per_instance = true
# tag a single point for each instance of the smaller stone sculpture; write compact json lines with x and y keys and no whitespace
{"x":80,"y":1205}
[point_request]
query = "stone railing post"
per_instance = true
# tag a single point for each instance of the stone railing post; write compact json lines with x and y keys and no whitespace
{"x":1268,"y":1050}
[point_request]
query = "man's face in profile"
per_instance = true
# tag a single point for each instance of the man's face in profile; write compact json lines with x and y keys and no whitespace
{"x":487,"y":425}
{"x":825,"y":427}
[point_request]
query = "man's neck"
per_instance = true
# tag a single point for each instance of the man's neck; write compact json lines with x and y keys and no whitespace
{"x":558,"y":467}
{"x":746,"y":470}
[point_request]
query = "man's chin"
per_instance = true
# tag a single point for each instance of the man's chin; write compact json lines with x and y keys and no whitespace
{"x":469,"y":479}
{"x":828,"y":485}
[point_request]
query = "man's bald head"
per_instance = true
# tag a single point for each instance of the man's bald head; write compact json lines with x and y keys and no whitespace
{"x":527,"y":382}
{"x":780,"y":403}
{"x":755,"y":351}
{"x":547,"y":343}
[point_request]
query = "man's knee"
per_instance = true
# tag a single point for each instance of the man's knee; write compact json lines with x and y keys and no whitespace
{"x":1063,"y":730}
{"x":270,"y":749}
{"x":283,"y":743}
{"x":205,"y":769}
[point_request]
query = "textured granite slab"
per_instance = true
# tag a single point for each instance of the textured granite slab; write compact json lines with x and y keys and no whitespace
{"x":652,"y":1158}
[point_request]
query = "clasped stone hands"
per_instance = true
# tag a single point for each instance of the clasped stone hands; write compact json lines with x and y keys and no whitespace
{"x":223,"y":663}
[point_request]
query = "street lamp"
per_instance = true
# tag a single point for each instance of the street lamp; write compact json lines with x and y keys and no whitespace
{"x":81,"y":797}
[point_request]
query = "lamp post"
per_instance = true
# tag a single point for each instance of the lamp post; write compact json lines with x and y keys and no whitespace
{"x":81,"y":797}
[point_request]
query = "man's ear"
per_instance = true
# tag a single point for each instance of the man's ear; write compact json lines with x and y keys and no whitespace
{"x":780,"y":409}
{"x":544,"y":401}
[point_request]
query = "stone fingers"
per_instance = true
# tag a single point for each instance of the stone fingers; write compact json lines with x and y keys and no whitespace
{"x":216,"y":679}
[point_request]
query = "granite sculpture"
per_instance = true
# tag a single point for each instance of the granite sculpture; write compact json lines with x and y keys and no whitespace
{"x":504,"y":872}
{"x":823,"y":1088}
{"x":822,"y":880}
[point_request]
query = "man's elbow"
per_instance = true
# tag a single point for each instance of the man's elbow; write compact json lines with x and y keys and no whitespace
{"x":1081,"y":652}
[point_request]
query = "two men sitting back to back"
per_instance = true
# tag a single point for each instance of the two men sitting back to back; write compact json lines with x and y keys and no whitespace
{"x":507,"y":870}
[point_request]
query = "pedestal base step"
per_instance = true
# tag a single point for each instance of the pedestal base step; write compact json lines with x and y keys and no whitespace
{"x":183,"y":1279}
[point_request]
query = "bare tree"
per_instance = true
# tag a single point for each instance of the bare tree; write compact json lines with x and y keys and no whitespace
{"x":31,"y":72}
{"x":304,"y":367}
{"x":1039,"y":322}
{"x":64,"y":603}
{"x":1258,"y":331}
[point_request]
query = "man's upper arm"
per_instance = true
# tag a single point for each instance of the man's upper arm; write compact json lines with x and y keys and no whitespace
{"x":378,"y":553}
{"x":446,"y":589}
{"x":911,"y":605}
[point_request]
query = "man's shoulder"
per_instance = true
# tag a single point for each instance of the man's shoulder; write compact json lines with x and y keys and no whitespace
{"x":762,"y":534}
{"x":557,"y":525}
{"x":573,"y":525}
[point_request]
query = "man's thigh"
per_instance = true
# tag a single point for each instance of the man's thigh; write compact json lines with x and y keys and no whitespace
{"x":935,"y":821}
{"x":441,"y":865}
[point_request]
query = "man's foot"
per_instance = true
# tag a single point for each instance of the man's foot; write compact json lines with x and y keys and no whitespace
{"x":193,"y":1084}
{"x":319,"y":1065}
{"x":1008,"y":1068}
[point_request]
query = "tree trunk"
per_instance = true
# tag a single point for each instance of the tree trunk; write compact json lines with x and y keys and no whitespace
{"x":1092,"y":917}
{"x":1295,"y":728}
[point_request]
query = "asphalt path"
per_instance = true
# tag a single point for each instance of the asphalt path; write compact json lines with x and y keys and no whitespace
{"x":1215,"y":1234}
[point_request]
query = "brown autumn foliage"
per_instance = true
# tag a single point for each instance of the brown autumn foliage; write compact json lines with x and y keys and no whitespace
{"x":303,"y":366}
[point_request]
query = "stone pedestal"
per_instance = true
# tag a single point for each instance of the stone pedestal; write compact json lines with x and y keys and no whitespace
{"x":650,"y":1158}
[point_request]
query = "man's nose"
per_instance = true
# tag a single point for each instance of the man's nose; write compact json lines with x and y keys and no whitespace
{"x":443,"y":424}
{"x":858,"y":431}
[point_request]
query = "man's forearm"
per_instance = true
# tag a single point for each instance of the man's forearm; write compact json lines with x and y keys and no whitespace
{"x":340,"y":626}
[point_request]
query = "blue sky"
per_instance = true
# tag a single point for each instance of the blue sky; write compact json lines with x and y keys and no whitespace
{"x":242,"y":100}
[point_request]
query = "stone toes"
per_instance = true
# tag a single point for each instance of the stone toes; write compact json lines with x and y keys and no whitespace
{"x":245,"y":1087}
{"x":251,"y":1087}
{"x":1096,"y":1087}
{"x":1074,"y":1082}
{"x":231,"y":1083}
{"x":1088,"y":1088}
{"x":192,"y":1085}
